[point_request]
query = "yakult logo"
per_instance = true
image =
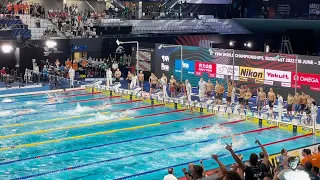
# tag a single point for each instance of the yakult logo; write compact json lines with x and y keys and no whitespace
{"x":275,"y":75}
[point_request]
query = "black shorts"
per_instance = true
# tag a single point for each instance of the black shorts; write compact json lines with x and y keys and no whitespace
{"x":308,"y":111}
{"x":228,"y":99}
{"x":271,"y":104}
{"x":117,"y":80}
{"x":246,"y":101}
{"x":153,"y":86}
{"x":302,"y":107}
{"x":240,"y":100}
{"x":289,"y":108}
{"x":129,"y":81}
{"x":219,"y":96}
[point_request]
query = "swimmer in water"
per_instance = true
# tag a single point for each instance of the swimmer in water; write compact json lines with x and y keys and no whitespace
{"x":102,"y":107}
{"x":27,"y":111}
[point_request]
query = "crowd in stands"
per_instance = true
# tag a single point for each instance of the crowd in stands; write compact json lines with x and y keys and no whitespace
{"x":258,"y":167}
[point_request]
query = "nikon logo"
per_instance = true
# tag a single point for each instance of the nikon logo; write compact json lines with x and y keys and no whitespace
{"x":252,"y":73}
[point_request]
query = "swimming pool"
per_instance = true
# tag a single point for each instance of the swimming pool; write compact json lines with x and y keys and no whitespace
{"x":72,"y":139}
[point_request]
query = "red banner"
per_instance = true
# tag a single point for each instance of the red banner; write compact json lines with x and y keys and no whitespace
{"x":205,"y":67}
{"x":306,"y":79}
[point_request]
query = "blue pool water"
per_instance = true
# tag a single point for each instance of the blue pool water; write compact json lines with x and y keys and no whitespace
{"x":72,"y":139}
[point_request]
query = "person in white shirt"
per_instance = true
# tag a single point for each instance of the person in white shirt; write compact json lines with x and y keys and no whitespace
{"x":170,"y":175}
{"x":189,"y":90}
{"x":292,"y":173}
{"x":71,"y":76}
{"x":164,"y":82}
{"x":202,"y":89}
{"x":108,"y":77}
{"x":133,"y":81}
{"x":314,"y":112}
{"x":280,"y":106}
{"x":114,"y":66}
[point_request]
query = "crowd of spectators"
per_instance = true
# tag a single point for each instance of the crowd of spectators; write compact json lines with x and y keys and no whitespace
{"x":258,"y":167}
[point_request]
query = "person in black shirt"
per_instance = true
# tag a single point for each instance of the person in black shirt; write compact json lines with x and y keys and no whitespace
{"x":254,"y":171}
{"x":308,"y":168}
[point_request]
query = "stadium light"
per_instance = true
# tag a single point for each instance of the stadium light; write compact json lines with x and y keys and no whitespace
{"x":51,"y":44}
{"x":6,"y":48}
{"x":248,"y":44}
{"x":232,"y":43}
{"x":137,"y":55}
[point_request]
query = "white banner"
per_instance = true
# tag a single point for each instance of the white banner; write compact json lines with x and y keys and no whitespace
{"x":276,"y":75}
{"x":224,"y":69}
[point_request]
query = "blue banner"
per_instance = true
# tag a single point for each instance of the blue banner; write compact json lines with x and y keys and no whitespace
{"x":187,"y":66}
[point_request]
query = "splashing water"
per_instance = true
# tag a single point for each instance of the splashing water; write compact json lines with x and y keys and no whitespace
{"x":7,"y":100}
{"x":201,"y":134}
{"x":79,"y":109}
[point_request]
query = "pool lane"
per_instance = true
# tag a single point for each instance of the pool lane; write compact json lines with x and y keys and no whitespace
{"x":93,"y":113}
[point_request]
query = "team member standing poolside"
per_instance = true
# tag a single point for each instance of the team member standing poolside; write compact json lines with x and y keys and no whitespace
{"x":153,"y":82}
{"x":209,"y":88}
{"x":229,"y":93}
{"x":129,"y":79}
{"x":280,"y":106}
{"x":246,"y":98}
{"x":303,"y":102}
{"x":134,"y":81}
{"x":242,"y":91}
{"x":108,"y":77}
{"x":141,"y":79}
{"x":314,"y":112}
{"x":296,"y":102}
{"x":290,"y":100}
{"x":202,"y":89}
{"x":188,"y":90}
{"x":172,"y":87}
{"x":261,"y":98}
{"x":117,"y":74}
{"x":164,"y":82}
{"x":71,"y":76}
{"x":271,"y":99}
{"x":233,"y":93}
{"x":220,"y":93}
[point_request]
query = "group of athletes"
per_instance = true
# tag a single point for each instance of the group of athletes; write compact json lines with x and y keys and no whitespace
{"x":296,"y":104}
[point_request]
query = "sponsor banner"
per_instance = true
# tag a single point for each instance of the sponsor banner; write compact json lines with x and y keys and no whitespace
{"x":187,"y":66}
{"x":306,"y":79}
{"x":255,"y":73}
{"x":304,"y":130}
{"x":165,"y":63}
{"x":268,"y":82}
{"x":285,"y":84}
{"x":205,"y":67}
{"x":224,"y":69}
{"x":314,"y":88}
{"x":276,"y":75}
